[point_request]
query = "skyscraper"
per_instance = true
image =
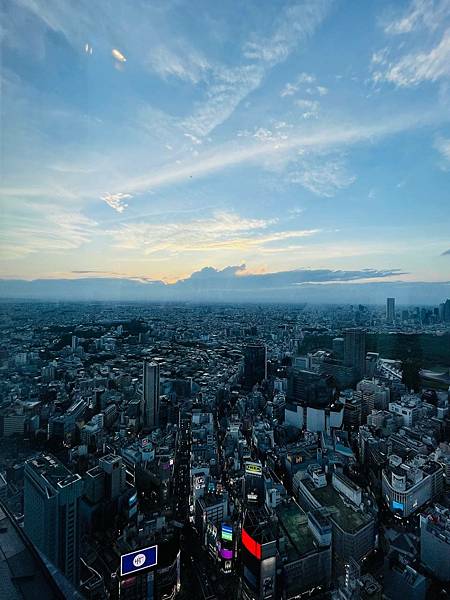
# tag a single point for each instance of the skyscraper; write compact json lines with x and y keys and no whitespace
{"x":255,"y":364}
{"x":390,"y":310}
{"x":355,"y":350}
{"x":150,"y":385}
{"x":446,"y":311}
{"x":51,"y":508}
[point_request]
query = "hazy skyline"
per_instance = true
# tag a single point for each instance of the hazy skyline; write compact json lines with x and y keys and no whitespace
{"x":152,"y":140}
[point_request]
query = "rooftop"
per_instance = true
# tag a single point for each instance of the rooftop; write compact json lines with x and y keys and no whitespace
{"x":344,"y":515}
{"x":294,"y":523}
{"x":52,"y":470}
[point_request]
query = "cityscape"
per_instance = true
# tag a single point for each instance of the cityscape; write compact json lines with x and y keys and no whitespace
{"x":214,"y":451}
{"x":224,"y":300}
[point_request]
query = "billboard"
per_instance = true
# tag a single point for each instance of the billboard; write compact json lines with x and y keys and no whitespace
{"x":227,"y":532}
{"x":226,"y":554}
{"x":138,"y":560}
{"x":252,"y":545}
{"x":199,"y":481}
{"x":252,"y":468}
{"x":397,"y":506}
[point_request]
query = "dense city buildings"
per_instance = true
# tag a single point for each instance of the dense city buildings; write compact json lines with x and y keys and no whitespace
{"x":218,"y":451}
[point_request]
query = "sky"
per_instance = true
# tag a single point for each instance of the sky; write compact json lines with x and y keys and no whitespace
{"x":165,"y":140}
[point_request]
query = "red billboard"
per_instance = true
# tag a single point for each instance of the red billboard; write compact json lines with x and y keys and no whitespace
{"x":252,"y":546}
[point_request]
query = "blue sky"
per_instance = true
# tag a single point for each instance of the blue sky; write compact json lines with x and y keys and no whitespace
{"x":152,"y":139}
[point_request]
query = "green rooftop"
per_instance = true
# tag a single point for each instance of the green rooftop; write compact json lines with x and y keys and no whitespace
{"x":294,"y":522}
{"x":345,"y":516}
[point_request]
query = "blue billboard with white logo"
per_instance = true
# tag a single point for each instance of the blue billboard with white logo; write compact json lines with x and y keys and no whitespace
{"x":138,"y":560}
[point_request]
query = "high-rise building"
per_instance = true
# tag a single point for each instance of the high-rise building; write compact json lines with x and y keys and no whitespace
{"x":355,"y":350}
{"x":390,"y":310}
{"x":309,"y":388}
{"x":51,"y":510}
{"x":25,"y":573}
{"x":258,"y":556}
{"x":255,"y":364}
{"x":435,"y":541}
{"x":111,"y":464}
{"x":338,"y":347}
{"x":445,"y":311}
{"x":150,"y":385}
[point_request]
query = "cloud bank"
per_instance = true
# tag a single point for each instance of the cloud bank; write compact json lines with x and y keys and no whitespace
{"x":231,"y":284}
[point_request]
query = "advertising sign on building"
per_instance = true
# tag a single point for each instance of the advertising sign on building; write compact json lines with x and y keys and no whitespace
{"x":252,"y":468}
{"x":138,"y":560}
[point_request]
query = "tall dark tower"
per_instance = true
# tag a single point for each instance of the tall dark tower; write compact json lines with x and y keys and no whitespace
{"x":390,"y":310}
{"x":150,"y":390}
{"x":255,"y":364}
{"x":355,"y":350}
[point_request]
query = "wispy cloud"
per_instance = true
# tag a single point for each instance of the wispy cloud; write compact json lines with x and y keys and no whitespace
{"x":228,"y":86}
{"x":310,"y":108}
{"x":323,"y":178}
{"x":45,"y":228}
{"x":305,"y":82}
{"x":116,"y":201}
{"x":292,"y":88}
{"x":427,"y":14}
{"x":296,"y":23}
{"x":184,"y":63}
{"x":324,"y":137}
{"x":424,"y":54}
{"x":221,"y":232}
{"x":443,"y":146}
{"x":418,"y":67}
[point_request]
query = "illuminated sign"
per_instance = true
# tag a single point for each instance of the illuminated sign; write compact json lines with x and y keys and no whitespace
{"x":397,"y":505}
{"x":199,"y":482}
{"x":138,"y":560}
{"x":227,"y":532}
{"x":212,"y":529}
{"x":226,"y":554}
{"x":252,"y":468}
{"x":251,"y":545}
